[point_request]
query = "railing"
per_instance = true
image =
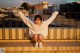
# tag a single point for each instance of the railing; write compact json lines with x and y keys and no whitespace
{"x":54,"y":33}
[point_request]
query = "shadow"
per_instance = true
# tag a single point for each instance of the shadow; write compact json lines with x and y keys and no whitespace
{"x":29,"y":38}
{"x":32,"y":42}
{"x":26,"y":35}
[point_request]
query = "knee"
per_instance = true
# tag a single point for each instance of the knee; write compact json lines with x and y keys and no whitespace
{"x":35,"y":36}
{"x":40,"y":37}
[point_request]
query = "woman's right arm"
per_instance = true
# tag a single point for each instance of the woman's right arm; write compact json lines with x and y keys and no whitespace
{"x":28,"y":22}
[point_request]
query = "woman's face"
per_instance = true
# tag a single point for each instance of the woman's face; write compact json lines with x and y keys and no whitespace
{"x":37,"y":21}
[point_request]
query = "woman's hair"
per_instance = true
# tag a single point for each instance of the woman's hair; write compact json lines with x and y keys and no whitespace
{"x":38,"y":16}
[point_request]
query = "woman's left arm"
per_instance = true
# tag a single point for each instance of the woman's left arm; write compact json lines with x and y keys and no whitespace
{"x":48,"y":21}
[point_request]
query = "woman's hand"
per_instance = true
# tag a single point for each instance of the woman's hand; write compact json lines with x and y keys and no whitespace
{"x":16,"y":12}
{"x":55,"y":12}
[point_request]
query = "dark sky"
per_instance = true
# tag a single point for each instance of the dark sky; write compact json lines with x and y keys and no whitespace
{"x":11,"y":3}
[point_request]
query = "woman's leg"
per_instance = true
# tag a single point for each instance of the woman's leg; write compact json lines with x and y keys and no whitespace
{"x":40,"y":38}
{"x":35,"y":37}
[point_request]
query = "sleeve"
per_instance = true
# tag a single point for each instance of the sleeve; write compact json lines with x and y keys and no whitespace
{"x":48,"y":21}
{"x":28,"y":22}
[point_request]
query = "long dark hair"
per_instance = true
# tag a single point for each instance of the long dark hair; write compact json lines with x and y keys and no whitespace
{"x":38,"y":16}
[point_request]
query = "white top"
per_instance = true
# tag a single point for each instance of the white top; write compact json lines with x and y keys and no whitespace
{"x":38,"y":29}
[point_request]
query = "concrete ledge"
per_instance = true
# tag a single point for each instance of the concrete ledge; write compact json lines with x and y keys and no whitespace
{"x":44,"y":49}
{"x":43,"y":40}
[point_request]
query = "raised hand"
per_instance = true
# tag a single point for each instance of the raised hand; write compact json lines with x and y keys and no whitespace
{"x":16,"y":12}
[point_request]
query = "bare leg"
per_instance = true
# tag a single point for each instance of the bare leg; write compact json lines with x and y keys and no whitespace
{"x":35,"y":37}
{"x":40,"y":39}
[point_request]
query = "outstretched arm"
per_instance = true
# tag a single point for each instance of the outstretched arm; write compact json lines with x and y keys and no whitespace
{"x":28,"y":22}
{"x":48,"y":21}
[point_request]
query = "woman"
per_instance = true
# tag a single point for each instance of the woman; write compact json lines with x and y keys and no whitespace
{"x":38,"y":29}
